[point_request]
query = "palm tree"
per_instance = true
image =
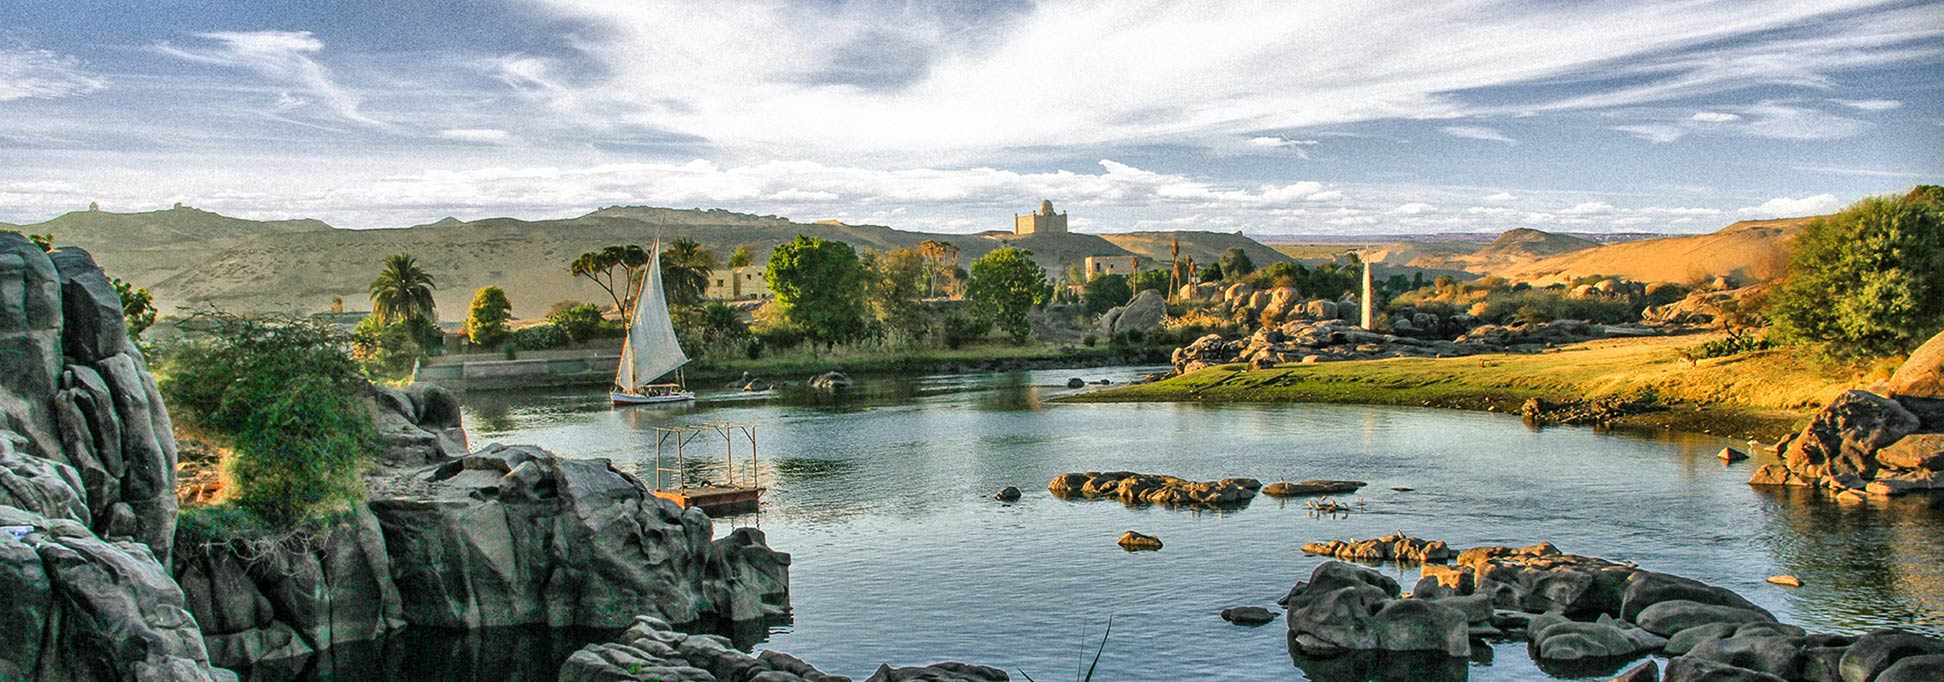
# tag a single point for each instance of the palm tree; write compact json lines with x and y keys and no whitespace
{"x":685,"y":271}
{"x":402,"y":291}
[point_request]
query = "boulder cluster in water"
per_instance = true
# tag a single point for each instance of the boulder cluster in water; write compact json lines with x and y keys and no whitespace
{"x":1572,"y":608}
{"x":1333,"y":339}
{"x":652,"y":650}
{"x":1137,"y":488}
{"x":1885,"y":442}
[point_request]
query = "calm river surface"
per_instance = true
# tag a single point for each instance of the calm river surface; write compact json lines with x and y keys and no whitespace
{"x":883,"y":495}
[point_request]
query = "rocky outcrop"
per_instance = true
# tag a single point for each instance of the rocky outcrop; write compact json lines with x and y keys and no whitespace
{"x":1700,"y":308}
{"x":1136,"y":488}
{"x":451,"y":539}
{"x":1393,"y":547}
{"x":1314,"y":487}
{"x":831,"y":381}
{"x":1344,"y":608}
{"x":652,"y":650}
{"x":1865,"y":444}
{"x":1328,"y":340}
{"x":1540,"y":412}
{"x":1142,"y":314}
{"x":87,"y":478}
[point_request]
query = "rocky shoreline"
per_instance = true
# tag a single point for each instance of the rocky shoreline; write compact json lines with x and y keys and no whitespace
{"x":1880,"y":443}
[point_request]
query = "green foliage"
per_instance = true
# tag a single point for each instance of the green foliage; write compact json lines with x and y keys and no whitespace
{"x":1236,"y":264}
{"x":487,"y":318}
{"x":685,"y":269}
{"x":538,"y":337}
{"x":1327,"y":281}
{"x":599,"y":267}
{"x":1732,"y":344}
{"x":1089,"y":340}
{"x":819,"y":287}
{"x":138,"y":307}
{"x":1145,"y":280}
{"x":286,"y":395}
{"x":1211,"y":272}
{"x":1868,"y":280}
{"x":742,"y":256}
{"x":959,"y":330}
{"x":388,"y":350}
{"x":580,"y":323}
{"x":1102,"y":292}
{"x":402,"y":290}
{"x":44,"y":241}
{"x":897,"y":282}
{"x":712,"y":328}
{"x":1005,"y":286}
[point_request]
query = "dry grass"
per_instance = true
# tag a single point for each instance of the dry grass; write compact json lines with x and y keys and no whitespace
{"x":1757,"y":394}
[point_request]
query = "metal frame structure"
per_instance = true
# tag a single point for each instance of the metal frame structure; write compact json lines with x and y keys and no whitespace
{"x":685,"y":434}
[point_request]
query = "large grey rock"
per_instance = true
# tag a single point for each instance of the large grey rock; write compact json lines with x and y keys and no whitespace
{"x":1874,"y":653}
{"x":1688,"y":669}
{"x":1914,"y":669}
{"x":1844,"y":437}
{"x":1343,"y":607}
{"x":418,"y":425}
{"x":1571,"y":641}
{"x":652,"y":650}
{"x":92,"y":328}
{"x":1420,"y":625}
{"x":1917,"y":451}
{"x":487,"y":542}
{"x":1919,"y":383}
{"x":80,"y":608}
{"x":1143,"y":314}
{"x":1647,"y":588}
{"x":1670,"y":617}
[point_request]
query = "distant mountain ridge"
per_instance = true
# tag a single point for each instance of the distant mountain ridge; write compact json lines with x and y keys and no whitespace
{"x":189,"y":258}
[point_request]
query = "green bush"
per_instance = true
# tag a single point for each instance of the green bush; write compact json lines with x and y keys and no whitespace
{"x":960,"y":330}
{"x":486,"y":319}
{"x":1103,"y":292}
{"x":538,"y":337}
{"x":1733,"y":344}
{"x":580,"y":323}
{"x":1868,"y":280}
{"x":389,"y":349}
{"x":780,"y":336}
{"x":287,"y":398}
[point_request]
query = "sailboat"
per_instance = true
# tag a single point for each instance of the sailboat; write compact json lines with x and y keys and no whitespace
{"x":651,"y":350}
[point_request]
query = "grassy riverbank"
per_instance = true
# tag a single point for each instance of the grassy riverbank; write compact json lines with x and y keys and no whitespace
{"x":1760,"y":395}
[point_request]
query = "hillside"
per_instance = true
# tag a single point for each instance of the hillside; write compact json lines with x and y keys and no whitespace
{"x":1750,"y":251}
{"x":1205,"y":247}
{"x":190,"y":258}
{"x":1530,"y":243}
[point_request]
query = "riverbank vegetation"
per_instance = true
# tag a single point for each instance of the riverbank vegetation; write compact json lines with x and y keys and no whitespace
{"x":1759,"y":394}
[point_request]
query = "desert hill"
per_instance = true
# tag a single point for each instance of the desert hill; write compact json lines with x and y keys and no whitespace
{"x":1750,"y":251}
{"x":190,"y":258}
{"x":1529,"y":243}
{"x":1205,"y":247}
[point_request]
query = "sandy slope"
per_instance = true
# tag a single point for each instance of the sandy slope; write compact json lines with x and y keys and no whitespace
{"x":1750,"y":251}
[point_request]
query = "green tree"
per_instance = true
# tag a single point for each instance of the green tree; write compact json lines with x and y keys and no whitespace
{"x":1150,"y":279}
{"x":487,"y":318}
{"x":284,"y":393}
{"x":1868,"y":280}
{"x":685,"y":271}
{"x":712,"y":328}
{"x":1211,"y":272}
{"x":138,"y":307}
{"x":402,"y":291}
{"x":897,"y":281}
{"x":580,"y":323}
{"x":600,"y":268}
{"x":1105,"y":291}
{"x":742,"y":257}
{"x":941,"y":259}
{"x":1236,"y":264}
{"x":819,"y":287}
{"x":1004,"y":287}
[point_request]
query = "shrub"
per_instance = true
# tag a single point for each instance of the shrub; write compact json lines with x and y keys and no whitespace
{"x":580,"y":323}
{"x":538,"y":337}
{"x":1733,"y":344}
{"x":1868,"y":280}
{"x":390,"y":349}
{"x":959,"y":329}
{"x":287,"y":397}
{"x":1089,"y":340}
{"x":1103,"y":292}
{"x":486,"y":320}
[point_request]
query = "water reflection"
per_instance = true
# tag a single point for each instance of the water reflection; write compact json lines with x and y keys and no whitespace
{"x":883,"y":494}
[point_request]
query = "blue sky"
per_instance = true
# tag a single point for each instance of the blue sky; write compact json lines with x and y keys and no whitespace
{"x":1269,"y":117}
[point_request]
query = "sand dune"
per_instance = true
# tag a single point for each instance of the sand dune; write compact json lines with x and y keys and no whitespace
{"x":1750,"y":251}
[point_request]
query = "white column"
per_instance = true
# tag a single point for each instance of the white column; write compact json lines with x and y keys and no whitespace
{"x":1368,"y":301}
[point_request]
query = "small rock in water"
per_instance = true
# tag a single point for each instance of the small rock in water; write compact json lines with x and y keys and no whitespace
{"x":1248,"y":615}
{"x":1786,"y":581}
{"x":1134,"y":542}
{"x":1076,"y":382}
{"x":1008,"y":494}
{"x":1648,"y":671}
{"x":1731,"y":455}
{"x":1287,"y":489}
{"x":1403,"y":490}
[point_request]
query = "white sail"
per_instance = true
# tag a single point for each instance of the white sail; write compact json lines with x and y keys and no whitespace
{"x":650,"y":349}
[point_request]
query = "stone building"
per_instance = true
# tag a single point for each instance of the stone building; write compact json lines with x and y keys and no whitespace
{"x":1043,"y":221}
{"x":1112,"y":265}
{"x":735,"y":284}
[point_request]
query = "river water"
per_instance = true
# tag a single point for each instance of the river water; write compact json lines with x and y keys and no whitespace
{"x":883,"y":496}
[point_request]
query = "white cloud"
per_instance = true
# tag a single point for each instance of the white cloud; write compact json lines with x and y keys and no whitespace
{"x":1415,"y":208}
{"x":1785,"y":207}
{"x":756,"y":76}
{"x":494,"y":135}
{"x":1493,"y":211}
{"x":1789,"y":122}
{"x":1656,"y":133}
{"x":1353,"y":220}
{"x":1590,"y":208}
{"x":1869,"y":104}
{"x":1272,"y":142}
{"x":1714,"y":117}
{"x":284,"y":57}
{"x":40,"y":74}
{"x":1477,"y":133}
{"x":1502,"y":196}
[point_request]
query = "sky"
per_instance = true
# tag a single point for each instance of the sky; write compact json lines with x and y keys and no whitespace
{"x":1313,"y":117}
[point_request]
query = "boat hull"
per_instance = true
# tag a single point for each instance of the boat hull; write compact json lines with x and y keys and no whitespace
{"x":621,"y":398}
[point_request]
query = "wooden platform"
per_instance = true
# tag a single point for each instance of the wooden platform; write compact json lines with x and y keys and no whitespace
{"x":714,"y":500}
